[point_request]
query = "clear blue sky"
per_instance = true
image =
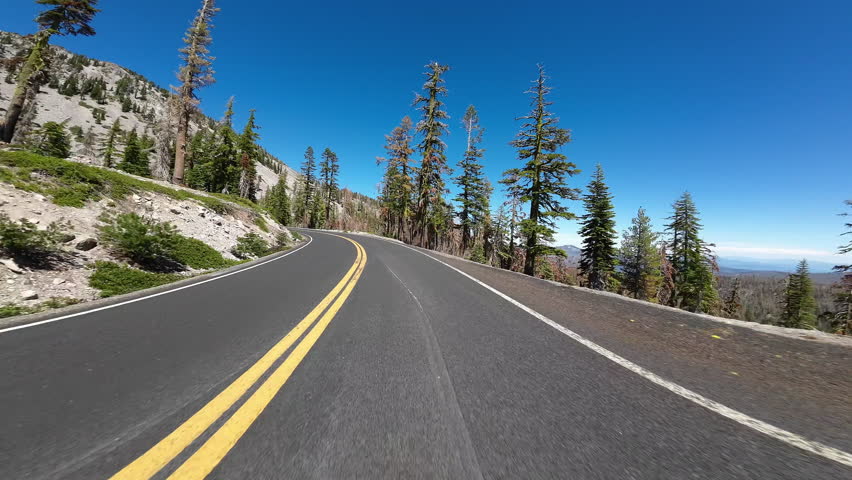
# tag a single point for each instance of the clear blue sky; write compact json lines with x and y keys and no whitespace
{"x":745,"y":104}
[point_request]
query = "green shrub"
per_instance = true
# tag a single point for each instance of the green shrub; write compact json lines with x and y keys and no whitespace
{"x":250,"y":245}
{"x":198,"y":254}
{"x":146,"y":242}
{"x":113,"y":279}
{"x":24,"y":239}
{"x":10,"y":310}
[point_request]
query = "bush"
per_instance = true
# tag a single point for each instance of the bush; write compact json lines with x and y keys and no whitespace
{"x":250,"y":245}
{"x":146,"y":242}
{"x":24,"y":239}
{"x":113,"y":279}
{"x":198,"y":254}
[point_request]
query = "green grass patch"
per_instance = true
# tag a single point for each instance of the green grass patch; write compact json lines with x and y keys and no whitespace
{"x":113,"y":279}
{"x":73,"y":184}
{"x":197,"y":254}
{"x":11,"y":310}
{"x":261,"y":223}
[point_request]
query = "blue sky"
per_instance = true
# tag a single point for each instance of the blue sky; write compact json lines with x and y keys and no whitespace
{"x":745,"y":104}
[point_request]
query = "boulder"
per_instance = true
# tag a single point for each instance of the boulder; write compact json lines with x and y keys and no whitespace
{"x":87,"y":244}
{"x":29,"y":295}
{"x":66,"y":237}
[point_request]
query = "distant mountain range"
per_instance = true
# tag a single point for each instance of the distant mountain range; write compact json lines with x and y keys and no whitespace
{"x":732,"y":266}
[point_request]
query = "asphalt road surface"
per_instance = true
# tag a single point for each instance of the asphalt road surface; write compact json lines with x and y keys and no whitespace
{"x":363,"y":358}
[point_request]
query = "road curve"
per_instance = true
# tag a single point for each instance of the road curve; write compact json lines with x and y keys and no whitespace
{"x":357,"y":357}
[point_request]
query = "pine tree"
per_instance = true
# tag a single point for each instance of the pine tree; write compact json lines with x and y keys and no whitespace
{"x":195,"y":73}
{"x":433,"y":165}
{"x":694,"y":285}
{"x":799,"y":304}
{"x":474,"y":189}
{"x":329,"y":170}
{"x":732,"y":305}
{"x":225,"y":168}
{"x":67,"y":17}
{"x":397,"y":184}
{"x":843,"y":289}
{"x":304,"y":208}
{"x":598,"y":259}
{"x":277,"y":201}
{"x":639,"y":258}
{"x":52,"y":141}
{"x":135,"y":159}
{"x":542,"y":181}
{"x":111,"y":144}
{"x":249,"y":152}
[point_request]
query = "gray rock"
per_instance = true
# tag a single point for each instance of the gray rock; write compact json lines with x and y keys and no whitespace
{"x":175,"y":211}
{"x":86,"y":244}
{"x":29,"y":295}
{"x":11,"y":265}
{"x":58,"y":281}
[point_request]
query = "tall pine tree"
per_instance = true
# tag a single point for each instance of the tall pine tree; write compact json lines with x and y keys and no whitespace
{"x":111,"y":144}
{"x":304,"y":211}
{"x":639,"y":258}
{"x":543,"y":180}
{"x":329,"y":170}
{"x":277,"y":201}
{"x":249,"y":151}
{"x":692,"y":262}
{"x":195,"y":73}
{"x":67,"y":17}
{"x":397,"y":185}
{"x":598,"y":259}
{"x":799,"y":305}
{"x":433,"y":164}
{"x":474,"y":189}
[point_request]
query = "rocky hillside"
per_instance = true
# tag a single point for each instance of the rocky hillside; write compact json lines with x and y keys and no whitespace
{"x":54,"y":221}
{"x":89,"y":95}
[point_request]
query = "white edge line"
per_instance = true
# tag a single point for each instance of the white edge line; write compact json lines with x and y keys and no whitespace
{"x":789,"y":438}
{"x":177,"y":289}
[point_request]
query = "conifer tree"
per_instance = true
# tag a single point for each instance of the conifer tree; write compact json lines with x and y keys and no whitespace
{"x":249,"y":152}
{"x":277,"y":201}
{"x":67,"y":17}
{"x":397,"y":185}
{"x":195,"y":73}
{"x":225,"y":169}
{"x":732,"y":305}
{"x":52,"y":141}
{"x":598,"y":259}
{"x":693,"y":264}
{"x":304,"y":207}
{"x":639,"y":258}
{"x":433,"y":164}
{"x":329,"y":170}
{"x":135,"y":158}
{"x":111,"y":144}
{"x":543,"y":180}
{"x":843,"y":295}
{"x":474,"y":189}
{"x":799,"y":304}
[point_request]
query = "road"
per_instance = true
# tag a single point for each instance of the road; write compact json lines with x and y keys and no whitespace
{"x":363,"y":358}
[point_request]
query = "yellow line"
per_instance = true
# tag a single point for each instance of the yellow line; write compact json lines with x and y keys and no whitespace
{"x":203,"y":461}
{"x":168,"y":448}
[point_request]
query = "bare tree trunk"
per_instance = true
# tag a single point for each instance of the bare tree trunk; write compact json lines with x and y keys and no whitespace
{"x":180,"y":150}
{"x":35,"y":63}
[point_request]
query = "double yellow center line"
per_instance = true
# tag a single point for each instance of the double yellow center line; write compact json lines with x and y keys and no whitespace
{"x":205,"y":459}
